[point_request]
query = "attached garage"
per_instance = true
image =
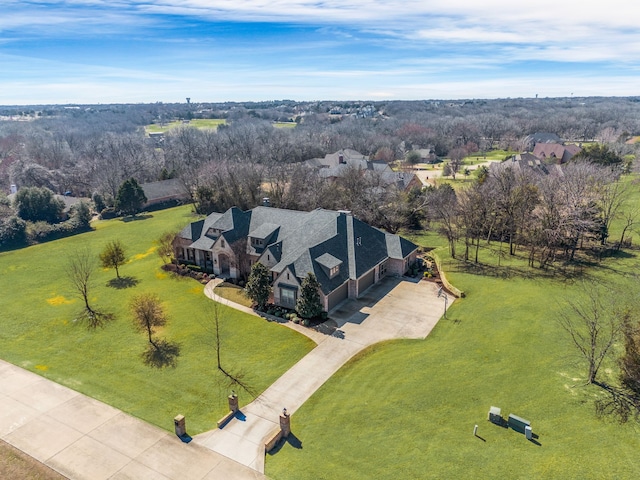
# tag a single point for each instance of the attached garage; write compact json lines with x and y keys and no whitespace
{"x":366,"y":281}
{"x":337,"y":296}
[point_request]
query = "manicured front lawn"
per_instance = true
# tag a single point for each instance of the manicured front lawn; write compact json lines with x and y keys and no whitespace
{"x":233,"y":293}
{"x":407,"y":409}
{"x":38,"y":330}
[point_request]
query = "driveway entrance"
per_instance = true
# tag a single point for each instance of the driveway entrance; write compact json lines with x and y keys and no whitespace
{"x":393,"y":308}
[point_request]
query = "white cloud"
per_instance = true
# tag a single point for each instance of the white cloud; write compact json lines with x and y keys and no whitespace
{"x":422,"y":50}
{"x":605,"y":27}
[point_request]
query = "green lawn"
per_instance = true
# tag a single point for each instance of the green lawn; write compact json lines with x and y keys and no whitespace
{"x":234,"y":293}
{"x":285,"y":124}
{"x":198,"y":123}
{"x":38,"y":331}
{"x":407,"y":409}
{"x":494,"y":155}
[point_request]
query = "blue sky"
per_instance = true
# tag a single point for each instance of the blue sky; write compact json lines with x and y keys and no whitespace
{"x":108,"y":51}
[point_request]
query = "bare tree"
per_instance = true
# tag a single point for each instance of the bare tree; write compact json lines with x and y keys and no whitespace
{"x":215,"y":339}
{"x":443,"y":207}
{"x":165,"y":246}
{"x":241,"y":259}
{"x":612,"y":194}
{"x":456,"y":156}
{"x":148,"y":314}
{"x":630,"y":221}
{"x":594,"y":323}
{"x":80,"y":268}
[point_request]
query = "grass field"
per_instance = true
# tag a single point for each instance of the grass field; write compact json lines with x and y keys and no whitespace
{"x":212,"y":123}
{"x":38,"y":330}
{"x":233,"y":293}
{"x":407,"y":409}
{"x":493,"y":155}
{"x":284,"y":124}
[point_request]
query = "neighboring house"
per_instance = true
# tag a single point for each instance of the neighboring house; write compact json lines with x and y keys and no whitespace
{"x":68,"y":200}
{"x":530,"y":141}
{"x":346,"y":255}
{"x":335,"y":165}
{"x":427,"y":155}
{"x":555,"y":152}
{"x":527,"y":162}
{"x":164,"y":192}
{"x":341,"y":157}
{"x":156,"y":139}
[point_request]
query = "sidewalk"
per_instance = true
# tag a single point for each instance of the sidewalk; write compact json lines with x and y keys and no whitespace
{"x":82,"y":438}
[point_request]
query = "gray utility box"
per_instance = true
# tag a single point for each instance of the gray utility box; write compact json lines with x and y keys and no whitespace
{"x":517,"y":423}
{"x":495,"y":415}
{"x":528,"y":432}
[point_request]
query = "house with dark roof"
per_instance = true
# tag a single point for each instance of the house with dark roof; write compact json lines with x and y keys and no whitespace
{"x":165,"y":192}
{"x":346,"y":255}
{"x":523,"y":162}
{"x":530,"y":141}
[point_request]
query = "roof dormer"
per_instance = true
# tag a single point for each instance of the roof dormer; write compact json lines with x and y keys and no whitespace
{"x":330,"y":264}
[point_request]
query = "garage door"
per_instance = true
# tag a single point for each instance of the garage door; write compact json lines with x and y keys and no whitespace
{"x":366,"y":281}
{"x":338,"y":295}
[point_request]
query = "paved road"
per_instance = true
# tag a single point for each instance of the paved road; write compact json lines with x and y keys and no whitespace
{"x":83,"y":438}
{"x":390,"y":309}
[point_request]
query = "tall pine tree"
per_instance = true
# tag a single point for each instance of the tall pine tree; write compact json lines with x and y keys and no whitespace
{"x":130,"y":197}
{"x":258,"y":286}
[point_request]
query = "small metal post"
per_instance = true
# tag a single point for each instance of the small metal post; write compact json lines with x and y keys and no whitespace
{"x":446,"y":300}
{"x":475,"y":431}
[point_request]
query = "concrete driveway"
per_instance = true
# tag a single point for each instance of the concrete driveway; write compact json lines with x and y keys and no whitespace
{"x":393,"y":308}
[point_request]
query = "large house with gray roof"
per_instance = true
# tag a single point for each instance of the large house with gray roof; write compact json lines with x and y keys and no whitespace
{"x":346,"y":255}
{"x":336,"y":165}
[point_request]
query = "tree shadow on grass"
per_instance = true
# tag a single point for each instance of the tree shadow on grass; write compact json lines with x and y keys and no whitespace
{"x":95,"y":319}
{"x":133,"y":218}
{"x":567,"y":272}
{"x":123,"y":282}
{"x":161,"y":354}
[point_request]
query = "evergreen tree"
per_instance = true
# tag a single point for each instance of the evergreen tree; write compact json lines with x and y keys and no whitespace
{"x":81,"y":215}
{"x":308,"y":304}
{"x":258,"y":287}
{"x":35,"y":204}
{"x":130,"y":197}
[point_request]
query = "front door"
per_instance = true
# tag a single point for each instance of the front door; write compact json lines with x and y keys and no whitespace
{"x":224,"y":264}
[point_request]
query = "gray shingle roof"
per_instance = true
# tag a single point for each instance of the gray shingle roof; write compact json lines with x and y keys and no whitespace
{"x":263,"y":231}
{"x":172,"y":188}
{"x":328,"y":260}
{"x":193,"y":231}
{"x":310,"y":242}
{"x":398,"y":247}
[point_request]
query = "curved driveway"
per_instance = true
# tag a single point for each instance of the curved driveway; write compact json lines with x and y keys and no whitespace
{"x":393,"y":308}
